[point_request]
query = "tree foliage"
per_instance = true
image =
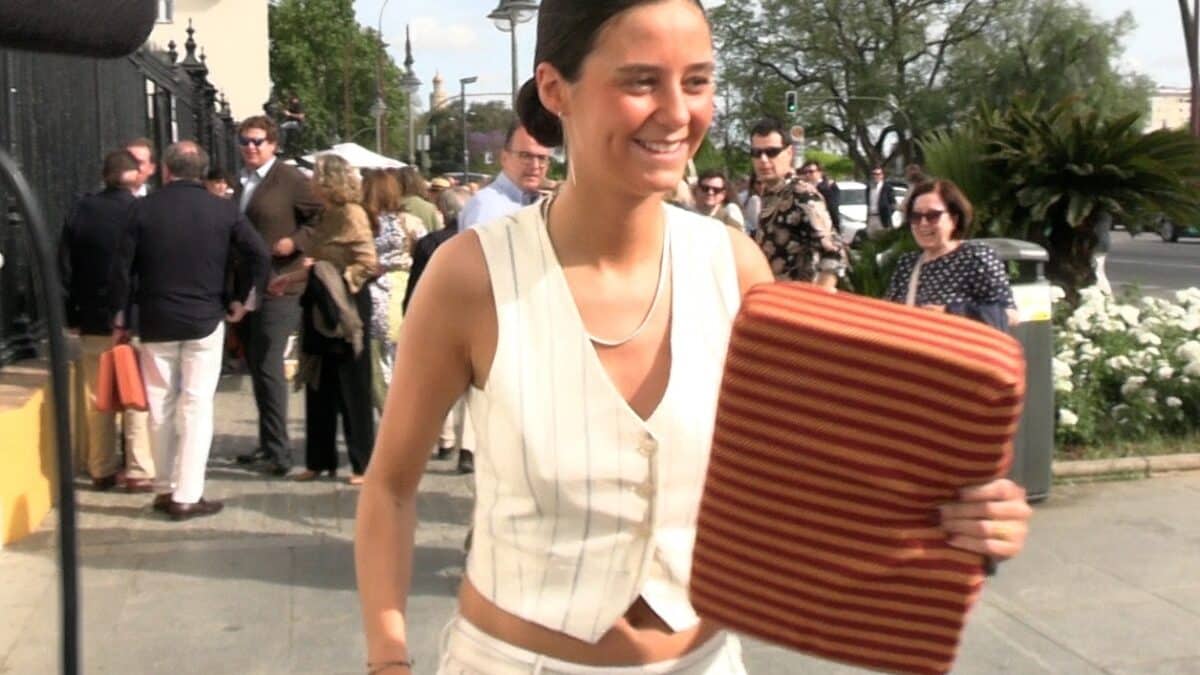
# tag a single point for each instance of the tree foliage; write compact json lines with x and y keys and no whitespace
{"x":321,"y":53}
{"x":877,"y":75}
{"x":486,"y":125}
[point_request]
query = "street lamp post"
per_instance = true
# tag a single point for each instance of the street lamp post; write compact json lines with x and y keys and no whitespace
{"x":507,"y":15}
{"x":409,"y":83}
{"x":379,"y":108}
{"x":462,"y":107}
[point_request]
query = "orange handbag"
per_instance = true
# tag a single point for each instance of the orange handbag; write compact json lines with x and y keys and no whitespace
{"x":119,"y":384}
{"x":130,"y":387}
{"x":843,"y":423}
{"x":107,"y":399}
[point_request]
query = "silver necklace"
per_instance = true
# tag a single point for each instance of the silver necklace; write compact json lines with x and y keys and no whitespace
{"x":658,"y":290}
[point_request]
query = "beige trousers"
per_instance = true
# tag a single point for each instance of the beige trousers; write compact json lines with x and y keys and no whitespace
{"x":98,"y":430}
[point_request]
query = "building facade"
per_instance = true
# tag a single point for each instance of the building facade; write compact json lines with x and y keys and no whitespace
{"x":239,"y":59}
{"x":1170,"y":108}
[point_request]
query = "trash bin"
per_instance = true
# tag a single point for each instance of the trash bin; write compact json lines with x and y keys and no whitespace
{"x":1033,"y":447}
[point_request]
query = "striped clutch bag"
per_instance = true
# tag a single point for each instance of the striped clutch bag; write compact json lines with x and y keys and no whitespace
{"x":843,"y":423}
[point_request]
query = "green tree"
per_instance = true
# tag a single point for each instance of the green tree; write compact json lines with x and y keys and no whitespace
{"x":335,"y":71}
{"x":445,"y":128}
{"x":1047,"y":51}
{"x":877,"y":75}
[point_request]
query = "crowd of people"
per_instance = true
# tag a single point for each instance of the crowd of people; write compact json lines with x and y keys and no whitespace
{"x":580,"y":329}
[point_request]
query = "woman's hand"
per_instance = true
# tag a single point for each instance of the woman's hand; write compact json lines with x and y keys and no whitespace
{"x":991,"y":519}
{"x":278,"y":286}
{"x":284,"y":247}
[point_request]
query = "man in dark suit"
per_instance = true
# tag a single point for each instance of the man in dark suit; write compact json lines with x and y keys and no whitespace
{"x":880,"y":203}
{"x":278,"y":201}
{"x":86,"y":251}
{"x":814,"y":173}
{"x":177,"y":245}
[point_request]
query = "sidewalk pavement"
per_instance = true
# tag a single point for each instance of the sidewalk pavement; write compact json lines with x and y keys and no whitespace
{"x":1110,"y":582}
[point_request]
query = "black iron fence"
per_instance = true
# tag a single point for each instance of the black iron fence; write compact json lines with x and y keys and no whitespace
{"x":59,"y":115}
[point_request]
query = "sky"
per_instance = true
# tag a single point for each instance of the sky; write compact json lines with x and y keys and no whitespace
{"x":456,"y":39}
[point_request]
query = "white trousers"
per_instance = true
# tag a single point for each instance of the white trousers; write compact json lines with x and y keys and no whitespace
{"x":466,"y":650}
{"x":457,"y":431}
{"x":181,"y":383}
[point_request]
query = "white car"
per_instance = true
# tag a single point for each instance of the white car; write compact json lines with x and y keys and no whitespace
{"x":853,"y":209}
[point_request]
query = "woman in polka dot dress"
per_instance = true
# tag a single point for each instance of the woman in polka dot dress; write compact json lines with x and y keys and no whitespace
{"x":949,"y":274}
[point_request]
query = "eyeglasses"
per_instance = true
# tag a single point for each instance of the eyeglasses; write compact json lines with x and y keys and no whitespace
{"x":809,"y":171}
{"x":256,"y":142}
{"x":930,"y":216}
{"x":769,"y":152}
{"x":710,"y":189}
{"x":530,"y":157}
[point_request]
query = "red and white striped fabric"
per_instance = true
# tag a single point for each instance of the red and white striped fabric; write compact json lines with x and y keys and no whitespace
{"x":843,"y":423}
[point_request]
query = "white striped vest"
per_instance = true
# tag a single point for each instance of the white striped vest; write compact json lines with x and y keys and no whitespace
{"x":581,"y":506}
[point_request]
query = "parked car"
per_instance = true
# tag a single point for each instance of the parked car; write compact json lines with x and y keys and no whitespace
{"x":853,"y":209}
{"x":1170,"y":232}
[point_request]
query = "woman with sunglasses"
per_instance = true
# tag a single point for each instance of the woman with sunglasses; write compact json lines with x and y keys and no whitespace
{"x":589,"y":331}
{"x":712,"y":199}
{"x":949,"y":274}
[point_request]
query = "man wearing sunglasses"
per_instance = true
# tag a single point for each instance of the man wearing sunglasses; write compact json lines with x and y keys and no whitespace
{"x":794,"y":228}
{"x":278,"y":201}
{"x":523,"y":166}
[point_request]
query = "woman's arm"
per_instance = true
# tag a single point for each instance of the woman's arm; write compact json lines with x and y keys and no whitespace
{"x":361,"y":244}
{"x":752,"y":267}
{"x":437,"y":354}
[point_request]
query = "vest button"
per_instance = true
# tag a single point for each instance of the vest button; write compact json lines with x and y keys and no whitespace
{"x":648,"y":446}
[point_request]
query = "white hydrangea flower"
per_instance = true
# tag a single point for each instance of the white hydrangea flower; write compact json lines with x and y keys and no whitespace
{"x":1128,"y":313}
{"x":1132,"y":385}
{"x":1165,"y":372}
{"x":1061,"y":369}
{"x":1174,"y":402}
{"x":1145,"y":337}
{"x":1188,"y":351}
{"x":1190,"y":323}
{"x":1119,"y":363}
{"x":1192,"y":368}
{"x":1057,"y":294}
{"x":1067,"y":418}
{"x":1063,"y":386}
{"x":1149,"y":396}
{"x":1188,"y":296}
{"x":1119,"y":409}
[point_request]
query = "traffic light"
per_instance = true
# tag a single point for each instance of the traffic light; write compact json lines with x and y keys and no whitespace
{"x":792,"y":102}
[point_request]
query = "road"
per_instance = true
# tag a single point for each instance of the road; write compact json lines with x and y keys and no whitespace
{"x":1157,"y":267}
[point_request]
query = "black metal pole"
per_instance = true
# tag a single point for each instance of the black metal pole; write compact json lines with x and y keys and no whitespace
{"x":35,"y":220}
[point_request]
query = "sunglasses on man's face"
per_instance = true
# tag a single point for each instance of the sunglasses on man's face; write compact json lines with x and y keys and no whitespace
{"x":771,"y":153}
{"x":256,"y":142}
{"x":710,"y":189}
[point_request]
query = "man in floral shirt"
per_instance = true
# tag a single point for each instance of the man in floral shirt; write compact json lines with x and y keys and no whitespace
{"x":794,"y":228}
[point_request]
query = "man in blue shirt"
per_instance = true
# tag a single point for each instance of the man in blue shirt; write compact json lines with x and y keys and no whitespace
{"x":523,"y":165}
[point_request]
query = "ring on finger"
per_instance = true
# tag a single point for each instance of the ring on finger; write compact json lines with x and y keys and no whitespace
{"x":1002,"y":531}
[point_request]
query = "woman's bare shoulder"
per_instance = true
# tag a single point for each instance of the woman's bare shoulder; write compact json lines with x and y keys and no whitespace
{"x":752,"y":267}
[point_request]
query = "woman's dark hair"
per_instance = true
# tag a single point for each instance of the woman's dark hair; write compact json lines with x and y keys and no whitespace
{"x":566,"y":34}
{"x":957,"y":204}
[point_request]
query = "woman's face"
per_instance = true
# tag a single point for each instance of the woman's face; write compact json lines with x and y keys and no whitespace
{"x":932,"y":224}
{"x":644,"y":99}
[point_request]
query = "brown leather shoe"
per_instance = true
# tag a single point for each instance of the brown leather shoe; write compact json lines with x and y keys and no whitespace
{"x":201,"y":508}
{"x":161,"y":502}
{"x":138,"y":485}
{"x":105,"y":483}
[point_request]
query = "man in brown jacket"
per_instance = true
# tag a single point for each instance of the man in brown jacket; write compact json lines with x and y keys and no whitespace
{"x":279,"y":202}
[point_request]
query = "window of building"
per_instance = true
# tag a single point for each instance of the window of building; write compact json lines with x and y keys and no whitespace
{"x":166,"y":11}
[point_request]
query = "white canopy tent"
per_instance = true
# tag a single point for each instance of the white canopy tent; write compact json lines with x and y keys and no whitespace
{"x":358,"y":156}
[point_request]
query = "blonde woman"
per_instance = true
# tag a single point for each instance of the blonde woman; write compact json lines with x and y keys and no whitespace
{"x":335,"y":363}
{"x":396,"y":234}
